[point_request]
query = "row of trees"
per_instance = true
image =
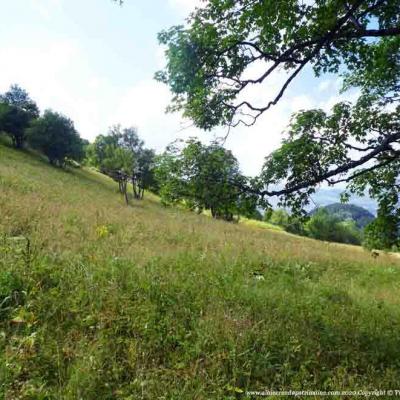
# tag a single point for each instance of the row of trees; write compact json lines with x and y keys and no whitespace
{"x":198,"y":176}
{"x":201,"y":177}
{"x":52,"y":133}
{"x":120,"y":154}
{"x":321,"y":225}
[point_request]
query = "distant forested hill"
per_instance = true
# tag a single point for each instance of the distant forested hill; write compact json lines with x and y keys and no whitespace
{"x":326,"y":196}
{"x":359,"y":215}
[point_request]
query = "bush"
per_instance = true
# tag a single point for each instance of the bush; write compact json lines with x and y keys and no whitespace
{"x":283,"y":219}
{"x":384,"y":232}
{"x":328,"y":227}
{"x":381,"y":234}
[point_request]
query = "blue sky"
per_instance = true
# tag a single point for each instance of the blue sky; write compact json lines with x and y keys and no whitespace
{"x":94,"y":61}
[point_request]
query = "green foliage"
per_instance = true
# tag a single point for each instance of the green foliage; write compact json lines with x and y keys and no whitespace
{"x":136,"y":164}
{"x":204,"y":177}
{"x":17,"y":110}
{"x":384,"y":232}
{"x":290,"y":223}
{"x":278,"y":217}
{"x":321,"y":147}
{"x":211,"y":60}
{"x":344,"y":212}
{"x":55,"y":136}
{"x":225,"y":49}
{"x":254,"y":215}
{"x":321,"y":225}
{"x":329,"y":227}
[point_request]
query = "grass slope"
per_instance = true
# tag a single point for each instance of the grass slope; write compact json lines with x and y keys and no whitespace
{"x":143,"y":302}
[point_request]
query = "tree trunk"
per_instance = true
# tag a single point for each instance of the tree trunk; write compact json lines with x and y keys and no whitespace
{"x":126,"y":197}
{"x":213,"y":212}
{"x":19,"y":142}
{"x":125,"y":191}
{"x":135,"y":193}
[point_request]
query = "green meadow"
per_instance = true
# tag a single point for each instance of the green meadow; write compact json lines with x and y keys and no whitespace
{"x":99,"y":300}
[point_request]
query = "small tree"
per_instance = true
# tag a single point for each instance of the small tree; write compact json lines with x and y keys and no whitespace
{"x":140,"y":169}
{"x":143,"y":172}
{"x":17,"y":110}
{"x":55,"y":136}
{"x":117,"y":164}
{"x":204,"y":178}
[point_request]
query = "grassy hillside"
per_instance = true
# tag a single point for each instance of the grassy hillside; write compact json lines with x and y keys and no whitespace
{"x":143,"y":302}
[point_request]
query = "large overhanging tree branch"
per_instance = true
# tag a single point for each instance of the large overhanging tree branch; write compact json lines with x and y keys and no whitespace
{"x":320,"y":148}
{"x":209,"y":60}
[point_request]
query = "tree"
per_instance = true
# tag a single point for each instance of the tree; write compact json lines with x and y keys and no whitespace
{"x":117,"y":164}
{"x":383,"y":232}
{"x":353,"y":145}
{"x":203,"y":177}
{"x":55,"y":136}
{"x":17,"y":110}
{"x":96,"y":152}
{"x":140,"y":169}
{"x":143,"y":172}
{"x":228,"y":47}
{"x":142,"y":159}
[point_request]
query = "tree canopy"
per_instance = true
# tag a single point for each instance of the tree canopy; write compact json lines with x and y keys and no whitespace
{"x":122,"y":155}
{"x":17,"y":110}
{"x":204,"y":177}
{"x":55,"y":136}
{"x":229,"y":46}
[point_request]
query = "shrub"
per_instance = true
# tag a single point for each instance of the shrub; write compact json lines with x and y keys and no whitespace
{"x":289,"y":223}
{"x":323,"y":226}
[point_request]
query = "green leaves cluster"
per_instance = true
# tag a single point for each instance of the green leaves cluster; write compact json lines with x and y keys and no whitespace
{"x":17,"y":110}
{"x":55,"y":136}
{"x":321,"y":225}
{"x":228,"y":46}
{"x":203,"y":177}
{"x":122,"y":155}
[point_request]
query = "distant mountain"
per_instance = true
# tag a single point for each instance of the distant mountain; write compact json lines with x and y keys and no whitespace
{"x":359,"y":215}
{"x":326,"y":196}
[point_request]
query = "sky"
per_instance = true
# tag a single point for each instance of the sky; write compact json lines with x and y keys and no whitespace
{"x":94,"y":61}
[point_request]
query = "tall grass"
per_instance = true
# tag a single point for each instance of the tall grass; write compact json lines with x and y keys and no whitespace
{"x":103,"y":301}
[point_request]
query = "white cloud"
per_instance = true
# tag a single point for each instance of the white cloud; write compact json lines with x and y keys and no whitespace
{"x":57,"y":76}
{"x":143,"y":106}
